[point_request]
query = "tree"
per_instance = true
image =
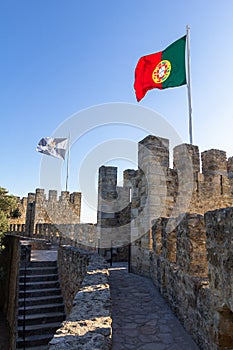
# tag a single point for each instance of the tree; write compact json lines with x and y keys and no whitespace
{"x":8,"y":205}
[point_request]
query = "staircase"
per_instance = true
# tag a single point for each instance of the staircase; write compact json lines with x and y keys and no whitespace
{"x":40,"y":307}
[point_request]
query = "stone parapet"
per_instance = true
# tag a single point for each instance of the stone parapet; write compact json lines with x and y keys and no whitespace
{"x":89,"y":324}
{"x":214,"y":162}
{"x":72,"y":267}
{"x":180,"y":155}
{"x":37,"y":209}
{"x":191,"y":263}
{"x":219,"y":234}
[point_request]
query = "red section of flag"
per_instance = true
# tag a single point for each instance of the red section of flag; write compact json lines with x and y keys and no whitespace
{"x":143,"y":74}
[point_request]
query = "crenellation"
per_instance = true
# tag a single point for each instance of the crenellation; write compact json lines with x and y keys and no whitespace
{"x":40,"y":195}
{"x":214,"y":162}
{"x":155,"y":147}
{"x":209,"y":190}
{"x":114,"y":211}
{"x":52,"y":196}
{"x":31,"y":197}
{"x":40,"y":210}
{"x":155,"y":190}
{"x":107,"y":180}
{"x":184,"y":153}
{"x":65,"y":196}
{"x":75,"y":198}
{"x":129,"y":176}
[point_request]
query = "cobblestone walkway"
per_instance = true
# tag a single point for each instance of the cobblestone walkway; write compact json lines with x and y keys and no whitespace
{"x":141,"y":318}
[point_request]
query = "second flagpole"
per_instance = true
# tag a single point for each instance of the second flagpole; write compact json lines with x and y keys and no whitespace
{"x":68,"y":163}
{"x":189,"y":85}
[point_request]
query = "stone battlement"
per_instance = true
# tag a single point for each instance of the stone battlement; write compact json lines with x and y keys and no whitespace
{"x":40,"y":195}
{"x":39,"y":209}
{"x":197,"y":183}
{"x":188,"y":255}
{"x":210,"y":189}
{"x":192,"y":267}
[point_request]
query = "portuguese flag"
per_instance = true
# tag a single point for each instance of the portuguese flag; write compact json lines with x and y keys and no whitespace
{"x":161,"y":70}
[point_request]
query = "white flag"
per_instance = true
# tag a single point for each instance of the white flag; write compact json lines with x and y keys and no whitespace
{"x":55,"y":147}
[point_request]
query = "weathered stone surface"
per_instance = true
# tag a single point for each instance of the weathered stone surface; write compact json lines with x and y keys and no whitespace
{"x":114,"y":214}
{"x":197,"y":281}
{"x":72,"y":267}
{"x":141,"y":317}
{"x":36,"y":209}
{"x":88,"y":326}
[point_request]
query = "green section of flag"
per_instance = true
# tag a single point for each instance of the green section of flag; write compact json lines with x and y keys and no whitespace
{"x":175,"y":53}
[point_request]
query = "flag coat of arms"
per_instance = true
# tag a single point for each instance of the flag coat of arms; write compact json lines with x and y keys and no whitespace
{"x":161,"y":70}
{"x":55,"y":147}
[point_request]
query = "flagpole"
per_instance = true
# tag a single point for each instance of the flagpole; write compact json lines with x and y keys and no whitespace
{"x":189,"y":85}
{"x":68,"y":163}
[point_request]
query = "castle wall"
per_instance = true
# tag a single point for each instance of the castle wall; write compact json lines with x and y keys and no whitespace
{"x":113,"y":218}
{"x":189,"y":257}
{"x":77,"y":235}
{"x":57,"y":220}
{"x":64,"y":210}
{"x":192,"y":267}
{"x":159,"y":191}
{"x":155,"y":190}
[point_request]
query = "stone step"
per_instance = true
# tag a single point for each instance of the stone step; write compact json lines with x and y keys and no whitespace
{"x":41,"y":300}
{"x":48,"y":328}
{"x":43,"y":263}
{"x":34,"y":340}
{"x":44,"y":309}
{"x":40,"y":292}
{"x":38,"y":270}
{"x":40,"y":318}
{"x":36,"y":278}
{"x":38,"y":285}
{"x":41,"y":347}
{"x":29,"y":310}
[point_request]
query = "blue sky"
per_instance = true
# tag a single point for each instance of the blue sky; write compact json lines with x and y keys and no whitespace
{"x":59,"y":58}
